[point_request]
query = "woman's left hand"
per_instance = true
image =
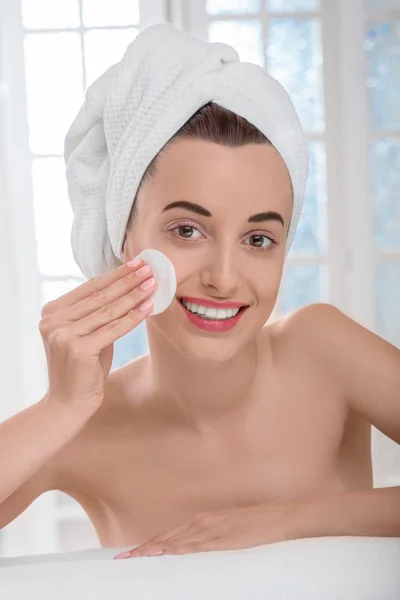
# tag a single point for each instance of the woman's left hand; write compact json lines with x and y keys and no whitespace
{"x":232,"y":529}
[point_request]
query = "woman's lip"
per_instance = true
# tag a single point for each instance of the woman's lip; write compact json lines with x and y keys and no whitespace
{"x":213,"y":325}
{"x":211,"y":303}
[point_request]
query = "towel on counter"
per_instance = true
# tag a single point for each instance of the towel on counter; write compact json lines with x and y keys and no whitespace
{"x":134,"y":109}
{"x":328,"y":568}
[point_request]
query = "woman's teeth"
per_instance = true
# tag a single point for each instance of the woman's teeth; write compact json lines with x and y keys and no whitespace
{"x":211,"y":313}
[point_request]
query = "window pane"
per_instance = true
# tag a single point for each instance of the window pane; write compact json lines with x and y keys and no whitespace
{"x":385,"y":175}
{"x":311,"y":234}
{"x":50,"y":14}
{"x":53,"y":218}
{"x":244,"y":36}
{"x":231,"y":7}
{"x":291,"y":5}
{"x":302,"y":284}
{"x":294,"y":57}
{"x":51,"y":290}
{"x":130,"y":346}
{"x":54,"y":88}
{"x":104,"y":48}
{"x":388,"y":299}
{"x":382,"y":45}
{"x":110,"y":12}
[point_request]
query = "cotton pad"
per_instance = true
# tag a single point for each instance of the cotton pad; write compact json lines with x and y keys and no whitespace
{"x":164,"y":274}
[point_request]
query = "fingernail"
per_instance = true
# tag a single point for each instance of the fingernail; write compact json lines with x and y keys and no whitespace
{"x":122,"y":555}
{"x":134,"y":263}
{"x":146,"y":305}
{"x":143,"y":271}
{"x":157,"y":553}
{"x":146,"y":285}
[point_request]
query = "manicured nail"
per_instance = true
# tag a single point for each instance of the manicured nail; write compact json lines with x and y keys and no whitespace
{"x":146,"y":305}
{"x":143,"y":271}
{"x":122,"y":555}
{"x":157,"y":553}
{"x":149,"y":283}
{"x":134,"y":263}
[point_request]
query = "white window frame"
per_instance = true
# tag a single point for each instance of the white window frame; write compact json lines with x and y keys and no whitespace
{"x":23,"y":366}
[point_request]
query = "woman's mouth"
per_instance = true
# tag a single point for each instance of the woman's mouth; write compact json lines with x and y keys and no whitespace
{"x":210,"y":318}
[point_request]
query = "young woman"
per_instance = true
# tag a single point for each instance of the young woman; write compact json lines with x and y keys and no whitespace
{"x":234,"y":430}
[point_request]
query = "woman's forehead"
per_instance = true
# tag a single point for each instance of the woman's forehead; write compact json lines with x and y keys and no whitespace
{"x":196,"y":165}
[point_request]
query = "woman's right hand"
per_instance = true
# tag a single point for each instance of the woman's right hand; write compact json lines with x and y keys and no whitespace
{"x":79,"y":330}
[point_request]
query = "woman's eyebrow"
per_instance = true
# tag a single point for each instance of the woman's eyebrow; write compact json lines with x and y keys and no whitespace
{"x":200,"y":210}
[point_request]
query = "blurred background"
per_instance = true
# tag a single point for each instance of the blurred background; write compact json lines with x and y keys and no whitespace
{"x":339,"y":60}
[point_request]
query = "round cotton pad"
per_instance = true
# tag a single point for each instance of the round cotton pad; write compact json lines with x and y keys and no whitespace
{"x":164,"y":273}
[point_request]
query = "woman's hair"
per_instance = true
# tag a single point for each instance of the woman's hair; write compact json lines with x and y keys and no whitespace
{"x":211,"y":123}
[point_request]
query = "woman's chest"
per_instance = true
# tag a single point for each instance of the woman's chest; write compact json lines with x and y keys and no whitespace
{"x":135,"y":489}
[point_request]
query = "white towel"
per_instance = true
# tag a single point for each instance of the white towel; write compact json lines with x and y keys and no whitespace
{"x":330,"y":568}
{"x":135,"y":108}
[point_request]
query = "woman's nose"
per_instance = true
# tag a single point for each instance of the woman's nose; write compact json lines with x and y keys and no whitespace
{"x":222,"y":272}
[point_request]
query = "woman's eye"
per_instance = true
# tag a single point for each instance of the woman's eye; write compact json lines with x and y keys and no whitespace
{"x":258,"y":240}
{"x":186,"y":231}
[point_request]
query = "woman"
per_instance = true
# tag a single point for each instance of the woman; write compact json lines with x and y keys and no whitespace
{"x":222,"y":436}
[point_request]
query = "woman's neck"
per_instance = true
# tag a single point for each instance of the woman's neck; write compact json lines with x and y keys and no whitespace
{"x":200,"y":393}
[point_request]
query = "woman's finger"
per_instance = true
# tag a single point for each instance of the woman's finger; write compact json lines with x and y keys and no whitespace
{"x":143,"y":549}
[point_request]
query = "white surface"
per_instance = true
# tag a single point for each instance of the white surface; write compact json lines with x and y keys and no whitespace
{"x":336,"y":568}
{"x":164,"y":273}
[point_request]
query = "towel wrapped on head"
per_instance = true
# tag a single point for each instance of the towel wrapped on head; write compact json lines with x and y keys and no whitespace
{"x":138,"y":105}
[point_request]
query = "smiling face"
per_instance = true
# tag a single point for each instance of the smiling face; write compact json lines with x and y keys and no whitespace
{"x":221,"y":214}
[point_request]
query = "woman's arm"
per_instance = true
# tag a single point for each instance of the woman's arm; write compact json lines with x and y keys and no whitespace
{"x":374,"y":513}
{"x":30,"y":438}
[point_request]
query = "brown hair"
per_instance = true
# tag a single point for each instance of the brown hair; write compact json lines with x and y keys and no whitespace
{"x":211,"y":123}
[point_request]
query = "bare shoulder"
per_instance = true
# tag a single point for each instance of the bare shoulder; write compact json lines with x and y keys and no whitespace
{"x":304,"y":332}
{"x":301,"y":345}
{"x":332,"y":336}
{"x":363,"y":364}
{"x":297,"y":343}
{"x":303,"y":339}
{"x":312,"y":319}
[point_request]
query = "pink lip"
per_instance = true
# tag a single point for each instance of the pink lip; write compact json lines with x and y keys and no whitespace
{"x":213,"y":325}
{"x":211,"y":303}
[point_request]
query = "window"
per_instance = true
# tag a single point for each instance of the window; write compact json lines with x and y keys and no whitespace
{"x":382,"y":50}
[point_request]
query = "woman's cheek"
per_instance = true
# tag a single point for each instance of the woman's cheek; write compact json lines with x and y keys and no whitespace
{"x":185,"y":263}
{"x":269,"y":282}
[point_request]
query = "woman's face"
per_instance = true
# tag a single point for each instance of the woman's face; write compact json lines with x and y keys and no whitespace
{"x":220,"y":251}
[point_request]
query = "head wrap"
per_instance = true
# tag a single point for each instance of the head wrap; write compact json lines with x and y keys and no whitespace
{"x":133,"y":109}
